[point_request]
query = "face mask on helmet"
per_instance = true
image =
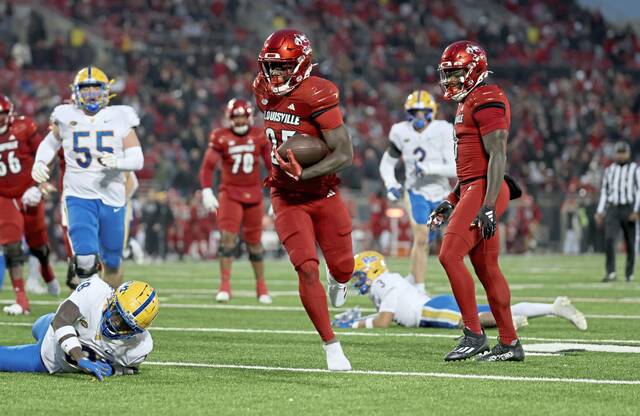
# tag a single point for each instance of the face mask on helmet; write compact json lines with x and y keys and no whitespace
{"x":419,"y":118}
{"x":240,"y":124}
{"x":279,"y":73}
{"x":114,"y":325}
{"x":92,"y":97}
{"x":452,"y":81}
{"x":361,"y":282}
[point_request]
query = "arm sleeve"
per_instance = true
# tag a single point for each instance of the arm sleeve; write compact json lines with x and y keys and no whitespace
{"x":390,"y":302}
{"x":211,"y":158}
{"x":387,"y":171}
{"x":133,"y":159}
{"x":491,"y":117}
{"x":48,"y":149}
{"x":603,"y":195}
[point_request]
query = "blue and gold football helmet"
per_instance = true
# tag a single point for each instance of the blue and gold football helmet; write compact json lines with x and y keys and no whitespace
{"x":369,"y":265}
{"x":130,"y":311}
{"x":91,"y":100}
{"x":420,"y":100}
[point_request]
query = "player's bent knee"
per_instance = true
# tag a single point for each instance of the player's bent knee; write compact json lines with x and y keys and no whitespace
{"x":112,"y":261}
{"x":308,"y":271}
{"x":41,"y":253}
{"x":86,"y":266}
{"x":342,"y":270}
{"x":225,"y":251}
{"x":448,"y":258}
{"x":13,"y":255}
{"x":259,"y":256}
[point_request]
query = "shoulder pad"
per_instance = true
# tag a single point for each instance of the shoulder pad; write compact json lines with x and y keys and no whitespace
{"x":216,"y":137}
{"x":321,"y":94}
{"x":26,"y":124}
{"x":128,"y":114}
{"x":488,"y":94}
{"x":62,"y":114}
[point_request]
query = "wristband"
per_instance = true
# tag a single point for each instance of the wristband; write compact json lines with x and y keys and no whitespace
{"x":368,"y":323}
{"x":355,"y":325}
{"x":64,"y":331}
{"x":70,"y":343}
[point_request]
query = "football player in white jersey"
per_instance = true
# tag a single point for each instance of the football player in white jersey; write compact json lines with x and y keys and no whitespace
{"x":398,"y":301}
{"x":100,"y":145}
{"x":95,"y":330}
{"x":426,"y":147}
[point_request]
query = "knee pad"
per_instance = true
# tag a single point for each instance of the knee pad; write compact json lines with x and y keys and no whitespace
{"x":41,"y":253}
{"x":226,"y":251}
{"x":342,"y":269}
{"x":86,"y":266}
{"x":259,"y":256}
{"x":308,"y":272}
{"x":13,"y":255}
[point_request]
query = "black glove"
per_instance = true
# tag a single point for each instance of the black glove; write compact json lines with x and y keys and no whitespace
{"x":440,"y":215}
{"x":486,"y":221}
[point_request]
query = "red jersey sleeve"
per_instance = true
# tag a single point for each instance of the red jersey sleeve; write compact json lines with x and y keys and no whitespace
{"x":325,"y":105}
{"x":211,"y":159}
{"x":491,"y":117}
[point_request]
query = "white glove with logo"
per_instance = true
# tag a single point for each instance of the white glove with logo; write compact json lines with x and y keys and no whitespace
{"x":40,"y":172}
{"x":32,"y":196}
{"x":109,"y":160}
{"x":209,"y":200}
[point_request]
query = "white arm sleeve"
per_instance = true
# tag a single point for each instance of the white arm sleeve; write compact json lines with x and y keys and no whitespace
{"x":133,"y":159}
{"x":390,"y":302}
{"x":48,"y":148}
{"x":603,"y":195}
{"x":441,"y":169}
{"x":387,"y":170}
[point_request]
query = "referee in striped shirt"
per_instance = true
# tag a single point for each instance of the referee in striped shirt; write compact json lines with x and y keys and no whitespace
{"x":619,"y":207}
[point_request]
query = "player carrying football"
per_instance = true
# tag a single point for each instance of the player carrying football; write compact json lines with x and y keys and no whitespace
{"x":239,"y":147}
{"x":426,"y":147}
{"x":478,"y":200}
{"x":307,"y":206}
{"x":100,"y":145}
{"x":21,"y":205}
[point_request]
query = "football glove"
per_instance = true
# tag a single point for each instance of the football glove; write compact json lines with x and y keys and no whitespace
{"x":440,"y":215}
{"x":393,"y":194}
{"x":100,"y":369}
{"x":292,"y":167}
{"x":209,"y":200}
{"x":349,"y":314}
{"x":32,"y":196}
{"x":343,"y":324}
{"x":109,"y":160}
{"x":486,"y":221}
{"x":40,"y":172}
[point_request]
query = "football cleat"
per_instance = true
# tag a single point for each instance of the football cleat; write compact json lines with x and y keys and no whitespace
{"x":223,"y":296}
{"x":15,"y":309}
{"x":609,"y":277}
{"x":470,"y":344}
{"x":72,"y":278}
{"x":34,"y":287}
{"x":520,"y":321}
{"x":502,"y":352}
{"x":53,"y":287}
{"x":337,"y":291}
{"x":336,"y":360}
{"x":629,"y":278}
{"x":264,"y":299}
{"x":563,"y":308}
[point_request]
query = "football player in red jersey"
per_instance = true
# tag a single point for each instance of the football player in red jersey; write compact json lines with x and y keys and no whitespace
{"x":21,"y":203}
{"x":307,"y":207}
{"x":239,"y":148}
{"x":479,"y":199}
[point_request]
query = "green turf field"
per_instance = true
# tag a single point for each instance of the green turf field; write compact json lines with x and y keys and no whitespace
{"x":245,"y":358}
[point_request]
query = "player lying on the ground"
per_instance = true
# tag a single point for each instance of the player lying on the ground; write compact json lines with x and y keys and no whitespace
{"x":96,"y":331}
{"x":396,"y":300}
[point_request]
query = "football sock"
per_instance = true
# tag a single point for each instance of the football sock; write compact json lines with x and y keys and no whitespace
{"x":532,"y":310}
{"x":261,"y":287}
{"x":225,"y":280}
{"x":21,"y":295}
{"x":452,"y":253}
{"x":314,"y":299}
{"x":485,"y":263}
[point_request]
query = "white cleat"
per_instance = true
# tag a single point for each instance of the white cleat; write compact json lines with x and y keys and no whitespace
{"x":336,"y":360}
{"x":563,"y":308}
{"x":223,"y":296}
{"x":265,"y":299}
{"x":520,"y":321}
{"x":337,"y":291}
{"x":34,"y":287}
{"x":15,"y":309}
{"x":54,"y":288}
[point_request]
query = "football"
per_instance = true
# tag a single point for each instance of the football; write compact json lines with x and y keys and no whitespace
{"x":307,"y":150}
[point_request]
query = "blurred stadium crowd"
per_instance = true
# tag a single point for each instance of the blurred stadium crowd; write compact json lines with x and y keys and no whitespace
{"x":570,"y":75}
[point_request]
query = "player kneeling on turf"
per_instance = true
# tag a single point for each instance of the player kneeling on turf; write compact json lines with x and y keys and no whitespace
{"x":396,"y":300}
{"x":96,"y":331}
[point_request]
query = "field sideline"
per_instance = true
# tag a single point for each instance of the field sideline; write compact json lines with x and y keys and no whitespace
{"x":246,"y":358}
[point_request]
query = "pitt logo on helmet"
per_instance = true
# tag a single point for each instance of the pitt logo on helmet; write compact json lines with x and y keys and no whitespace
{"x":91,"y":89}
{"x":420,"y":100}
{"x":130,"y":311}
{"x":369,"y":265}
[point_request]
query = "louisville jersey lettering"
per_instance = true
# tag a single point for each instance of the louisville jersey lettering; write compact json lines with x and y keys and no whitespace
{"x":310,"y":108}
{"x":471,"y":158}
{"x":18,"y":146}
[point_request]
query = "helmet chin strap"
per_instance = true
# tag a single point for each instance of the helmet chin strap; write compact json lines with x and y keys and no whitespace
{"x":240,"y":130}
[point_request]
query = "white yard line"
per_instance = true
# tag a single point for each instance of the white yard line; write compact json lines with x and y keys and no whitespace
{"x":418,"y":333}
{"x":483,"y":377}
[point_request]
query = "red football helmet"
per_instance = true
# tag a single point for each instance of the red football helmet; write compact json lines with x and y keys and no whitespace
{"x":463,"y":66}
{"x":6,"y":113}
{"x":285,"y":60}
{"x":239,"y":114}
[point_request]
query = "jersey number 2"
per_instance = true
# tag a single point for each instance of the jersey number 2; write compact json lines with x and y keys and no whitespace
{"x":84,"y":151}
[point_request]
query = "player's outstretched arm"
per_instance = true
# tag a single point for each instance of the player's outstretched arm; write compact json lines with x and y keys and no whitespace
{"x":340,"y":157}
{"x":380,"y":320}
{"x":47,"y":150}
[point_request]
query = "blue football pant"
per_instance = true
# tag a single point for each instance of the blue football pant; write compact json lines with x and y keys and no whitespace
{"x":26,"y":358}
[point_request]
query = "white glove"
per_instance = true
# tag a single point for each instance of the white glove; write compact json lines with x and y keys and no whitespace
{"x":209,"y":200}
{"x":109,"y":160}
{"x":32,"y":196}
{"x":40,"y":172}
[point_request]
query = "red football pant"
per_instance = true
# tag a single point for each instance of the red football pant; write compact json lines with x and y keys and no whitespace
{"x":17,"y":221}
{"x":232,"y":215}
{"x":299,"y":226}
{"x":459,"y":240}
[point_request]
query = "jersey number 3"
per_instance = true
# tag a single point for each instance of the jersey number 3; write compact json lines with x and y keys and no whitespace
{"x":84,"y":152}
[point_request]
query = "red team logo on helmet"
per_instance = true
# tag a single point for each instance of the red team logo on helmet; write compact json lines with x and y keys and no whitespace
{"x":285,"y":61}
{"x":239,"y":114}
{"x":6,"y":113}
{"x":463,"y":66}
